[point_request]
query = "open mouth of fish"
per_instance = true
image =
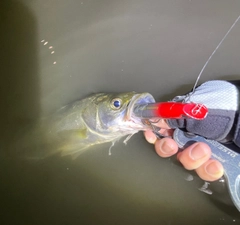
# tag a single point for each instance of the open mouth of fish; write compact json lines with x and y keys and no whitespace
{"x":142,"y":98}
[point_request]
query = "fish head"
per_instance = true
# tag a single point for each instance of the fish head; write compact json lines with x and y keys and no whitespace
{"x":114,"y":113}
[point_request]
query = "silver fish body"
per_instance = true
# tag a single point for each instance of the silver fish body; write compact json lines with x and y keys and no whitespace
{"x":99,"y":118}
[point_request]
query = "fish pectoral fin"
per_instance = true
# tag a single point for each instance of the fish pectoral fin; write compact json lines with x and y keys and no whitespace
{"x":73,"y":142}
{"x":73,"y":134}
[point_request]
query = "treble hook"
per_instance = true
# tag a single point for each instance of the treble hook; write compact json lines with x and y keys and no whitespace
{"x":154,"y":128}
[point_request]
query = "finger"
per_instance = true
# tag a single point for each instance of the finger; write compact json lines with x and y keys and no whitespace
{"x":195,"y":155}
{"x":166,"y":132}
{"x":150,"y":136}
{"x":211,"y":170}
{"x":166,"y":147}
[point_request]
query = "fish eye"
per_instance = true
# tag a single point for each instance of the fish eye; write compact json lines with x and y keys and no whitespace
{"x":116,"y":103}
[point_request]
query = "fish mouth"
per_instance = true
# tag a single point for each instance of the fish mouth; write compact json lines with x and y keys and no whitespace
{"x":142,"y":98}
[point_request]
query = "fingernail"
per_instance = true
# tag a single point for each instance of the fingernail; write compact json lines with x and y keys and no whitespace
{"x":197,"y":153}
{"x":152,"y":139}
{"x":167,"y":148}
{"x":213,"y":168}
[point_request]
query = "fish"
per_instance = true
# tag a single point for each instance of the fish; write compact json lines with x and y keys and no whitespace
{"x":94,"y":120}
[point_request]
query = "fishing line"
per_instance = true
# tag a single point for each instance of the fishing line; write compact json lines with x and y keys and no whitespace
{"x":206,"y":63}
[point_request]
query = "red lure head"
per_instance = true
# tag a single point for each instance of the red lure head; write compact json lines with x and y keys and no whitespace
{"x":171,"y":110}
{"x":177,"y":110}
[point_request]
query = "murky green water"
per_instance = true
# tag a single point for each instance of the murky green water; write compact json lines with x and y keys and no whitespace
{"x":55,"y":52}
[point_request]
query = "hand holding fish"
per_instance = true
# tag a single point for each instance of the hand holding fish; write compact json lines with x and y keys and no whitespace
{"x":195,"y":157}
{"x":221,"y":124}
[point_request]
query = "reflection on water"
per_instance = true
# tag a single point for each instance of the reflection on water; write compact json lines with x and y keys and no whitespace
{"x":50,"y":48}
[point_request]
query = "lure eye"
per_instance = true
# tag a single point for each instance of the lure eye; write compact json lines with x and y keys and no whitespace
{"x":116,"y":103}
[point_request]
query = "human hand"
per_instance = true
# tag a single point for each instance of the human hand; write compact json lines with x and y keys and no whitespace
{"x":195,"y":157}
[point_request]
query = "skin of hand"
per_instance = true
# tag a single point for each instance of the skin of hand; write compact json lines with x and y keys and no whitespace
{"x":195,"y":157}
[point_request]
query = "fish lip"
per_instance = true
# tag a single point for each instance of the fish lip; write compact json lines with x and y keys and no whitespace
{"x":138,"y":99}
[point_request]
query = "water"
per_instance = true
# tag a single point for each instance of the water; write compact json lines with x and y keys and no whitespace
{"x":107,"y":46}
